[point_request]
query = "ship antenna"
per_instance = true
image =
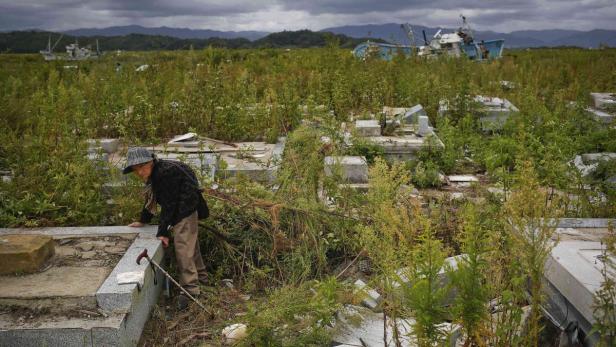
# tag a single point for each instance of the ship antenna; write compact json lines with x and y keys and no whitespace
{"x":55,"y":44}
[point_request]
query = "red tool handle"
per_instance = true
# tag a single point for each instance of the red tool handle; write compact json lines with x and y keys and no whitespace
{"x":142,"y":255}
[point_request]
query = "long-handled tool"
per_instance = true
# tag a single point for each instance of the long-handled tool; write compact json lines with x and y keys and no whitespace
{"x":144,"y":254}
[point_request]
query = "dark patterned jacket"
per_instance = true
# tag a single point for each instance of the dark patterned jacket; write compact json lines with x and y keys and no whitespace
{"x":176,"y":190}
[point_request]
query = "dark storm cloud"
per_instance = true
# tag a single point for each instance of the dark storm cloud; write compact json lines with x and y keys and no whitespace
{"x":361,"y":6}
{"x":276,"y":15}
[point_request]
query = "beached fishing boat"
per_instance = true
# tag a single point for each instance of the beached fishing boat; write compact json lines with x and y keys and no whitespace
{"x":456,"y":44}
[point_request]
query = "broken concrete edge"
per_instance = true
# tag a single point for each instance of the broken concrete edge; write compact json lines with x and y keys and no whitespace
{"x":114,"y":297}
{"x":370,"y":297}
{"x":576,"y":279}
{"x":561,"y":313}
{"x":81,"y":231}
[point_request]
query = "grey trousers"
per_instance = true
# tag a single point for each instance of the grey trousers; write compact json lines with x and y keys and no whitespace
{"x":188,"y":255}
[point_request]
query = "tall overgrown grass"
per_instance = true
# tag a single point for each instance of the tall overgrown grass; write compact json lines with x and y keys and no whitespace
{"x":279,"y":242}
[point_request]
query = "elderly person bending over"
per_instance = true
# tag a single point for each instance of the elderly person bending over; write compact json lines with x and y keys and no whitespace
{"x":174,"y":186}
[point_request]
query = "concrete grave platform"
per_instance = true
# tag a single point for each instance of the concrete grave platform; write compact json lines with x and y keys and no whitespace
{"x":78,"y":300}
{"x":411,"y":132}
{"x":493,"y":112}
{"x":258,"y":161}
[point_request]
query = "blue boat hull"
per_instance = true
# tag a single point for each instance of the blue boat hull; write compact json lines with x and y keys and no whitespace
{"x":383,"y":51}
{"x":386,"y":51}
{"x":494,"y":48}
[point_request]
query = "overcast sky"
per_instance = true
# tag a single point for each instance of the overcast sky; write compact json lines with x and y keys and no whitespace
{"x":277,"y":15}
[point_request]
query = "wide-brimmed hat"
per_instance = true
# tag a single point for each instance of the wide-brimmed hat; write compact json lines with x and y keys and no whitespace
{"x":136,"y":156}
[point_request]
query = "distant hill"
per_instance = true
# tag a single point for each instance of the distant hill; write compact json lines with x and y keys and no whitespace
{"x":589,"y":39}
{"x":34,"y":41}
{"x":517,"y":39}
{"x":181,"y":33}
{"x":307,"y":38}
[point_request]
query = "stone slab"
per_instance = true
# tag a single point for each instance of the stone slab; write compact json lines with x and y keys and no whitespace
{"x":423,"y":126}
{"x":462,"y":178}
{"x":369,"y":127}
{"x":24,"y":253}
{"x":353,"y":169}
{"x":64,"y":281}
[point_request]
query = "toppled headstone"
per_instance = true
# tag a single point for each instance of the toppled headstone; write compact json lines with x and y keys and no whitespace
{"x":450,"y":264}
{"x":410,"y":116}
{"x":372,"y":297}
{"x":369,"y":127}
{"x":353,"y":169}
{"x":423,"y":126}
{"x":358,"y":326}
{"x":187,"y":140}
{"x":24,"y":253}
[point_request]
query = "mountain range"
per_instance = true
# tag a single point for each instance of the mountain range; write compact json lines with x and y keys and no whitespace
{"x":164,"y":38}
{"x":181,"y":33}
{"x":391,"y":32}
{"x":517,"y":39}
